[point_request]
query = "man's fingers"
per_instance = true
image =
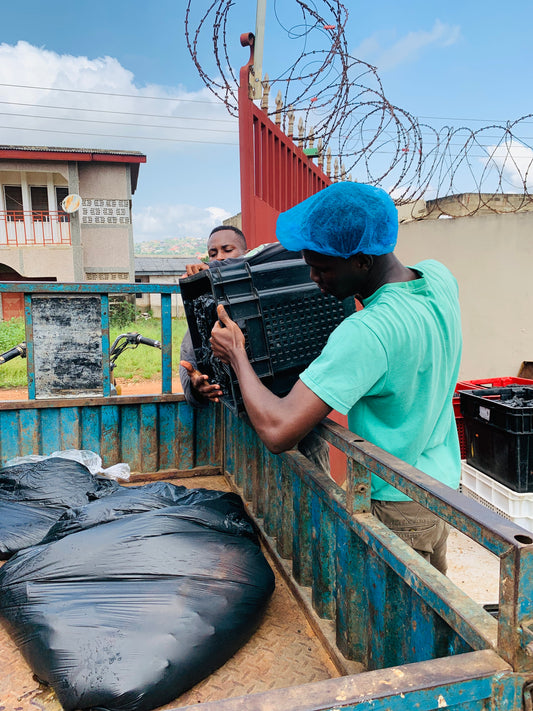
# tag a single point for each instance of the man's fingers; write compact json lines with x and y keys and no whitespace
{"x":188,"y":367}
{"x":223,"y":315}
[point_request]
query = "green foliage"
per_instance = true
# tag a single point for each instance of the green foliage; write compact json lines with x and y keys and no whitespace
{"x":11,"y":333}
{"x":144,"y":362}
{"x":122,"y":313}
{"x":13,"y":373}
{"x":138,"y":363}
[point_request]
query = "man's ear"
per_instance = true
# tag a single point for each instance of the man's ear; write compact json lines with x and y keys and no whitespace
{"x":363,"y":261}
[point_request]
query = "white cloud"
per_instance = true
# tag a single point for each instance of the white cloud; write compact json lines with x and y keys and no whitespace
{"x":60,"y":117}
{"x":374,"y":49}
{"x":514,"y":161}
{"x":169,"y":221}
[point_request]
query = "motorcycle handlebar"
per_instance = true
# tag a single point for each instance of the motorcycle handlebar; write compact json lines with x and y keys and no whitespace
{"x":19,"y":350}
{"x":148,"y":341}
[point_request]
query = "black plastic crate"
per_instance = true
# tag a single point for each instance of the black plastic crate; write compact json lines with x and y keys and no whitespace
{"x":285,"y":318}
{"x":499,"y":434}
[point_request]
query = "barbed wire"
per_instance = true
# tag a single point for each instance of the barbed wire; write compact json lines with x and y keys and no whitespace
{"x":342,"y":102}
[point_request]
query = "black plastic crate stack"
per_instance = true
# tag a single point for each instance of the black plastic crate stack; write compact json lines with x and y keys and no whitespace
{"x":285,"y":318}
{"x":499,"y":434}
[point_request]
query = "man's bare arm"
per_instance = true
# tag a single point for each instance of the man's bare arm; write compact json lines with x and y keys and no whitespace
{"x":280,"y":422}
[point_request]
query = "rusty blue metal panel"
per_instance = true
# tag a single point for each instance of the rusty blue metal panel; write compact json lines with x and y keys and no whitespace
{"x":149,"y":438}
{"x":248,"y":459}
{"x":147,"y":435}
{"x":467,"y":618}
{"x":168,"y":440}
{"x":30,"y":355}
{"x":106,"y":372}
{"x":130,"y":434}
{"x":375,"y":584}
{"x":352,"y":611}
{"x":50,"y":429}
{"x":239,"y":441}
{"x":166,"y":343}
{"x":515,"y":633}
{"x":69,"y":423}
{"x":9,"y":433}
{"x":110,"y":435}
{"x":206,"y":432}
{"x":323,"y":558}
{"x":272,"y":469}
{"x":478,"y":681}
{"x":229,"y":444}
{"x":258,"y":491}
{"x":301,"y":542}
{"x":188,"y":422}
{"x":48,"y":287}
{"x":29,"y":432}
{"x":91,"y":429}
{"x":284,"y":535}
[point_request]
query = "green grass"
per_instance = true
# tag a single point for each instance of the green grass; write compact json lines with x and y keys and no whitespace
{"x":13,"y":373}
{"x":141,"y":363}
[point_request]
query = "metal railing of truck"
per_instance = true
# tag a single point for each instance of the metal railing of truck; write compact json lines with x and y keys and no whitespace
{"x":371,"y":598}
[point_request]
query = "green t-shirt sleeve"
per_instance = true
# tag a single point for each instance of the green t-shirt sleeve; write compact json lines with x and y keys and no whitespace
{"x":352,"y":364}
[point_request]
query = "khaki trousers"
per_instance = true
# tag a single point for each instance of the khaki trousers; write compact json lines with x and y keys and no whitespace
{"x":414,"y":524}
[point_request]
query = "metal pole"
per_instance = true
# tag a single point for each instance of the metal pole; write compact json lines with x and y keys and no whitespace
{"x":258,"y":47}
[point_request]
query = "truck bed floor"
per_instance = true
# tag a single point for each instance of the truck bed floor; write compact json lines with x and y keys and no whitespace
{"x":283,"y":652}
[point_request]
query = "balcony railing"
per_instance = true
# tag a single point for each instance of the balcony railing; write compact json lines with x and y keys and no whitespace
{"x":34,"y":228}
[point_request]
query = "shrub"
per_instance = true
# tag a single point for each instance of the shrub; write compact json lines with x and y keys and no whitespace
{"x":122,"y":313}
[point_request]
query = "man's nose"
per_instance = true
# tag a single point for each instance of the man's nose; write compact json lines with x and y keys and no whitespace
{"x":314,"y":275}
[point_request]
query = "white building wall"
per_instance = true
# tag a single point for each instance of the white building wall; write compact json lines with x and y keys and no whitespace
{"x":492,"y":258}
{"x":105,"y":222}
{"x":176,"y":301}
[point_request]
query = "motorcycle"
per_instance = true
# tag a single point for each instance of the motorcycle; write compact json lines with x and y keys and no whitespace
{"x":121,"y":343}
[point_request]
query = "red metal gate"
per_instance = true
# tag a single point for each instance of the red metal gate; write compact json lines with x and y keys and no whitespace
{"x":275,"y":173}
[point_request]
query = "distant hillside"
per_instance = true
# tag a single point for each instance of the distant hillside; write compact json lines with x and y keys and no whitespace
{"x":174,"y":247}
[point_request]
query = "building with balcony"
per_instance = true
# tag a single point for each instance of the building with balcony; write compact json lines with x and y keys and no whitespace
{"x":39,"y":241}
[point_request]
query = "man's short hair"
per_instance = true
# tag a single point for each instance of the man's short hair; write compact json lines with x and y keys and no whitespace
{"x":237,"y":231}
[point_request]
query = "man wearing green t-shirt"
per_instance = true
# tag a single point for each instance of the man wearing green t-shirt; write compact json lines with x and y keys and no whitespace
{"x":391,"y":367}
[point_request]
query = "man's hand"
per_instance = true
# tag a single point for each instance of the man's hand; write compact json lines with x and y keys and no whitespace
{"x":195,"y":268}
{"x":200,"y":384}
{"x":227,"y":340}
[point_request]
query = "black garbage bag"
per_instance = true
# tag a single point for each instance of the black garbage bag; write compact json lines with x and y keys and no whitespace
{"x":126,"y":501}
{"x":127,"y":615}
{"x":23,"y":525}
{"x":34,"y":495}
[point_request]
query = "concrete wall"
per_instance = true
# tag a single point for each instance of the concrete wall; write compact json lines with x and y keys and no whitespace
{"x":492,"y":258}
{"x":36,"y":263}
{"x":153,"y":301}
{"x":107,"y":246}
{"x":109,"y":180}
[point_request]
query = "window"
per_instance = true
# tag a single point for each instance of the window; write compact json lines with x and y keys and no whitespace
{"x":39,"y":203}
{"x":13,"y":201}
{"x":61,"y":194}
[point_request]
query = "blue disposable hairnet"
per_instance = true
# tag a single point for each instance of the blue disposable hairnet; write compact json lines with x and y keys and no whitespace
{"x":341,"y":220}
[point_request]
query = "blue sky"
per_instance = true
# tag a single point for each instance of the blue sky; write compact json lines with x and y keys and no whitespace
{"x":454,"y":63}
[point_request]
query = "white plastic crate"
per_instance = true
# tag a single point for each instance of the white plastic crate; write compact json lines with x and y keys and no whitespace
{"x":497,"y":497}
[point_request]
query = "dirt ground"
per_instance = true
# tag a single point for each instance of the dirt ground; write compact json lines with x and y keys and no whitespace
{"x":128,"y":387}
{"x":471,"y":567}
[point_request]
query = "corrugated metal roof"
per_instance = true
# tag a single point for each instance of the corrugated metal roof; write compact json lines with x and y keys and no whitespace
{"x":152,"y":266}
{"x":60,"y":149}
